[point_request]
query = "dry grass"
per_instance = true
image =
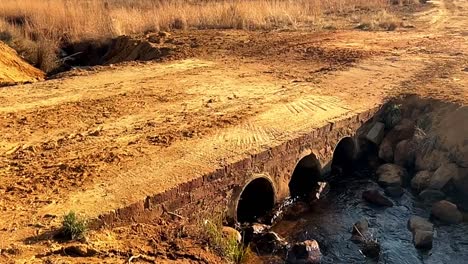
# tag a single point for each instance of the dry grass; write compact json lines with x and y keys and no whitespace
{"x":381,"y":20}
{"x":37,"y":28}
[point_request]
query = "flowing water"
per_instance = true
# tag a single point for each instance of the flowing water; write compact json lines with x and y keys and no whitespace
{"x":331,"y":219}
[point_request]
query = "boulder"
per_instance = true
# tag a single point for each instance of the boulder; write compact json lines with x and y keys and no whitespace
{"x":394,"y":191}
{"x":443,"y":175}
{"x":269,"y":243}
{"x":421,"y":180}
{"x":307,"y":252}
{"x":419,"y":223}
{"x":375,"y":197}
{"x":376,"y":133}
{"x":422,"y":239}
{"x":430,"y":160}
{"x":430,"y":196}
{"x":446,"y":212}
{"x":391,"y":175}
{"x":231,"y":233}
{"x":386,"y":151}
{"x":404,"y":130}
{"x":404,"y":153}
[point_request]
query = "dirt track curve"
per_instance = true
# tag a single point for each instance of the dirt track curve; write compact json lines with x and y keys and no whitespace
{"x":97,"y":140}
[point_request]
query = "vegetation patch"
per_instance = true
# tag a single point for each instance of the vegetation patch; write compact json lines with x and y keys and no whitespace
{"x":73,"y":226}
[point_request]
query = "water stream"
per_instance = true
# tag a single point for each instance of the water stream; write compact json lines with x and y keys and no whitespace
{"x":331,"y":218}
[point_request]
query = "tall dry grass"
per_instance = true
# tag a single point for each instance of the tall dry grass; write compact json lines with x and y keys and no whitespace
{"x":38,"y":27}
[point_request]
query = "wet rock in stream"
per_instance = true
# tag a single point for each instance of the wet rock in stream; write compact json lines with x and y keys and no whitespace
{"x":307,"y":252}
{"x":376,"y":197}
{"x":422,"y":231}
{"x":269,"y":243}
{"x":360,"y":231}
{"x":447,"y":212}
{"x":391,"y":175}
{"x":362,"y":236}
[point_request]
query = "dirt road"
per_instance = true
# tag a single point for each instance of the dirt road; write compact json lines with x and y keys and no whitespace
{"x":96,"y":140}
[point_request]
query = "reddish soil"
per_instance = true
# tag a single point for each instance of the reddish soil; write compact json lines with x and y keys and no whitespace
{"x":96,"y":140}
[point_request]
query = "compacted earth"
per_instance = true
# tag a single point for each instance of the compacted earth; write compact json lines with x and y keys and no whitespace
{"x":95,"y":139}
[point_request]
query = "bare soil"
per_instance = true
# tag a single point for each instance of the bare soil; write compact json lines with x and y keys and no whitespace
{"x":13,"y":69}
{"x":97,"y":139}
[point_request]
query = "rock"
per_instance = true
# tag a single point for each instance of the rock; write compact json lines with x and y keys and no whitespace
{"x":259,"y":228}
{"x":375,"y":197}
{"x":307,"y":252}
{"x":430,"y":196}
{"x":269,"y":243}
{"x":391,"y":175}
{"x":430,"y":160}
{"x":422,"y":239}
{"x":443,"y":175}
{"x":422,"y":232}
{"x":360,"y":232}
{"x":254,"y":230}
{"x":371,"y":249}
{"x":419,"y":223}
{"x":386,"y":151}
{"x":421,"y":180}
{"x":361,"y":227}
{"x":394,"y":191}
{"x":446,"y":212}
{"x":232,"y":233}
{"x":376,"y":133}
{"x":404,"y":130}
{"x":404,"y":153}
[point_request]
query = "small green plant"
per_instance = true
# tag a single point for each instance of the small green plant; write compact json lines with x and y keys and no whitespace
{"x":226,"y":246}
{"x":392,"y":115}
{"x":73,"y":227}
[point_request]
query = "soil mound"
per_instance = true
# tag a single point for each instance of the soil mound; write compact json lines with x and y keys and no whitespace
{"x":13,"y":69}
{"x":152,"y":47}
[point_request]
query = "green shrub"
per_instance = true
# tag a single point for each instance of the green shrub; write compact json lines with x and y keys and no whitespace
{"x":73,"y":227}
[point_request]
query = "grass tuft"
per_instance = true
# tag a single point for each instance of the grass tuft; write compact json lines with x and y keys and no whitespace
{"x":226,"y":246}
{"x":73,"y":227}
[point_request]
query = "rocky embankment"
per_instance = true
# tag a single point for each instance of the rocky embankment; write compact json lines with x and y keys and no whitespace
{"x":425,"y":149}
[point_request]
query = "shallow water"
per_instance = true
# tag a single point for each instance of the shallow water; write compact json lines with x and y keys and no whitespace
{"x":331,"y":219}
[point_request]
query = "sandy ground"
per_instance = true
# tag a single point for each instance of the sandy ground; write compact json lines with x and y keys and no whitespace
{"x":96,"y":140}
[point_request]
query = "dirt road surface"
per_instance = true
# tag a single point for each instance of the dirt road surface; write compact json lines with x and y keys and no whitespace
{"x":96,"y":140}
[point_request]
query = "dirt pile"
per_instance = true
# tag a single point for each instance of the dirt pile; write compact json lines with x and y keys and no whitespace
{"x":156,"y":46}
{"x":13,"y":69}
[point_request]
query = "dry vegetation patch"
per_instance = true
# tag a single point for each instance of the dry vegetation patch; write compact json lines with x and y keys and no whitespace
{"x":39,"y":30}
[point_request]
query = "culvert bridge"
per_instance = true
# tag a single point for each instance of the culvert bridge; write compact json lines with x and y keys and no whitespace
{"x":253,"y":185}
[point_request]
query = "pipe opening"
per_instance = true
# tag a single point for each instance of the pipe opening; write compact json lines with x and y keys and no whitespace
{"x":305,"y":177}
{"x":256,"y":200}
{"x":343,"y":156}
